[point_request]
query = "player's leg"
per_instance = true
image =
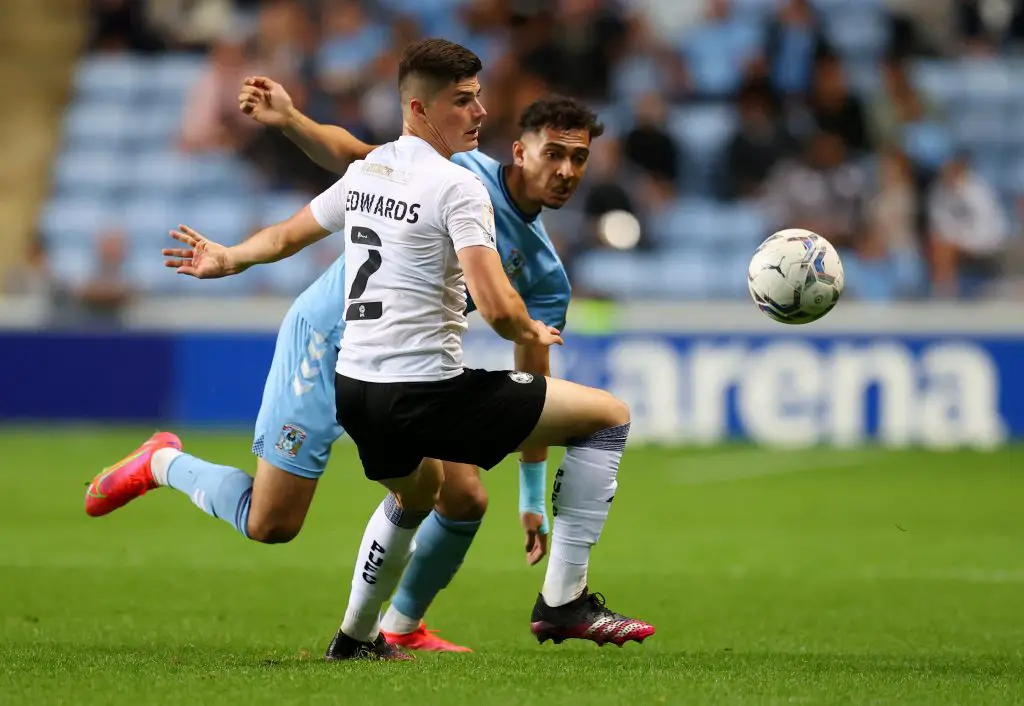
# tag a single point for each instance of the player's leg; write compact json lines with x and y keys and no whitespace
{"x":294,"y":434}
{"x":384,"y":553}
{"x":593,"y":425}
{"x":441,"y":545}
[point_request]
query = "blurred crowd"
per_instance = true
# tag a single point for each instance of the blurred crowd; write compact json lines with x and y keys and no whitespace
{"x":826,"y":129}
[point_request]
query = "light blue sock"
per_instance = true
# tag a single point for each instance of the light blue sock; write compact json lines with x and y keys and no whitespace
{"x":441,"y":546}
{"x":220,"y":491}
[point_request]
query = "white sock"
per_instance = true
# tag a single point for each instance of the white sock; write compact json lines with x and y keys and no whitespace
{"x":383,"y":554}
{"x":160,"y":462}
{"x":584,"y":487}
{"x":564,"y":581}
{"x":394,"y":621}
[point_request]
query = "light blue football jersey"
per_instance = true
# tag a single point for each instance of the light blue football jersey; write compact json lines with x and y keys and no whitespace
{"x":529,"y":258}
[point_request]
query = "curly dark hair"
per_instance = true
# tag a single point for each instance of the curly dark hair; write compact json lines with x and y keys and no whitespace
{"x":561,"y":113}
{"x":438,"y":62}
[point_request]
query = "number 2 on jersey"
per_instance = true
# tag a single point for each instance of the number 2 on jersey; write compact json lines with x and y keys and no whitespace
{"x":364,"y":311}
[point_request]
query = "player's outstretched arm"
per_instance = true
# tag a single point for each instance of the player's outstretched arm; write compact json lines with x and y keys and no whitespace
{"x":205,"y":259}
{"x":329,"y":146}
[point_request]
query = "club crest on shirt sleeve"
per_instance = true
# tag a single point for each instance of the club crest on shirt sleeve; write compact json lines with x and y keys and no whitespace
{"x":487,"y":218}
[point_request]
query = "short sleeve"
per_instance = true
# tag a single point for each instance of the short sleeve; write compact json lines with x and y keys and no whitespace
{"x":467,"y":213}
{"x":329,"y":207}
{"x":548,"y":299}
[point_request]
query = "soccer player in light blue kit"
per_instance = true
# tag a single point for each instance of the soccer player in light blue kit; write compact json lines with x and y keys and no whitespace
{"x":297,"y":426}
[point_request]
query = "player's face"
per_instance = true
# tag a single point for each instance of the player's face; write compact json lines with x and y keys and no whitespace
{"x":457,"y":113}
{"x":553,"y":163}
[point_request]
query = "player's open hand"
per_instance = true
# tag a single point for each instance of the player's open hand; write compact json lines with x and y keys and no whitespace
{"x":547,"y":335}
{"x":203,"y":258}
{"x":265,"y":101}
{"x":536,"y":540}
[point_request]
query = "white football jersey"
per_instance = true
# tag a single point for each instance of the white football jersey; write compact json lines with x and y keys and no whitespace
{"x":405,"y":211}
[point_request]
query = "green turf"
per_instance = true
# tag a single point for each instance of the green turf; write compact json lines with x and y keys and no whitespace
{"x":773,"y":577}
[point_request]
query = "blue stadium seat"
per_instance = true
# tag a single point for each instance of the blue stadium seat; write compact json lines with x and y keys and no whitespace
{"x":147,"y":220}
{"x":225,"y":220}
{"x":109,"y":77}
{"x":938,"y":80}
{"x":716,"y":54}
{"x":277,"y":206}
{"x":609,"y":273}
{"x":635,"y":76}
{"x":72,"y":265}
{"x":170,"y":171}
{"x":991,"y":80}
{"x":154,"y":127}
{"x":92,"y":173}
{"x":928,"y":144}
{"x":350,"y":54}
{"x":96,"y":125}
{"x":703,"y":131}
{"x":976,"y":125}
{"x":75,"y":220}
{"x":173,"y":77}
{"x":857,"y":30}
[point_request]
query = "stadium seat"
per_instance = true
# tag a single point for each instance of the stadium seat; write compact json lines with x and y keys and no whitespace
{"x":173,"y":77}
{"x":75,"y":219}
{"x":225,"y":220}
{"x":170,"y":171}
{"x":857,"y":30}
{"x":109,"y":77}
{"x":703,"y":132}
{"x":92,"y":173}
{"x":987,"y":80}
{"x":938,"y":80}
{"x":928,"y":143}
{"x":96,"y":125}
{"x":277,"y":206}
{"x":716,"y":54}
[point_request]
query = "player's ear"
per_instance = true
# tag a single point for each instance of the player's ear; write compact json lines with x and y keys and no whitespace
{"x":517,"y":152}
{"x":417,"y":108}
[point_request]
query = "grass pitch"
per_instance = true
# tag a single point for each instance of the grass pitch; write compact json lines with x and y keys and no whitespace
{"x":818,"y":577}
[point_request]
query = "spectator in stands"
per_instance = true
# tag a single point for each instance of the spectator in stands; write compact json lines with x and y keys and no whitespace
{"x":212,"y":122}
{"x":825,"y":191}
{"x":191,"y":24}
{"x":648,"y":145}
{"x":577,"y":47}
{"x":968,"y":231}
{"x":121,"y":26}
{"x":897,"y":104}
{"x":350,"y":42}
{"x":760,"y":142}
{"x":100,"y":298}
{"x":794,"y":41}
{"x":33,"y":277}
{"x":719,"y":51}
{"x":886,"y":263}
{"x":835,"y":109}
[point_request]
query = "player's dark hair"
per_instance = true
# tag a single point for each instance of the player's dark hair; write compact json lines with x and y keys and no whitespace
{"x":438,"y":63}
{"x":560,"y":113}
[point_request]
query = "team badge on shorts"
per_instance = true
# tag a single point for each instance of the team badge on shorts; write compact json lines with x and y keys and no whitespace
{"x":523,"y":378}
{"x":290,"y":440}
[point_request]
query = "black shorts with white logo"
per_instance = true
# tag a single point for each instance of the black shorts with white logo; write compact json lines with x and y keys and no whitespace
{"x":478,"y":417}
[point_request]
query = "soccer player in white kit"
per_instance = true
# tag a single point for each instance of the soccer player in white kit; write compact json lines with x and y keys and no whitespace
{"x":419,"y":230}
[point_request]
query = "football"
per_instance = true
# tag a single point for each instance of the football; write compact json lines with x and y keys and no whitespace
{"x":795,"y":276}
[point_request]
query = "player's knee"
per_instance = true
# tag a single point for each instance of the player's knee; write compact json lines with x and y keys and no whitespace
{"x":271,"y":531}
{"x":618,"y":412}
{"x":467,"y":504}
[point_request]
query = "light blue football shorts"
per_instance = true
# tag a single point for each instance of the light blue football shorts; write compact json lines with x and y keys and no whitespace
{"x":297,"y":424}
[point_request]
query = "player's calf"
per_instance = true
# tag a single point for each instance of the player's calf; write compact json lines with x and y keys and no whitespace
{"x":387,"y":546}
